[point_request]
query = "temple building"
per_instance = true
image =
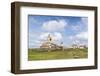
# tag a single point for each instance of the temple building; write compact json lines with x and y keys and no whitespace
{"x":48,"y":44}
{"x":79,"y":46}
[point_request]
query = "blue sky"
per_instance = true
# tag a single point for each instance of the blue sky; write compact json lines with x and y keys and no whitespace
{"x":66,"y":29}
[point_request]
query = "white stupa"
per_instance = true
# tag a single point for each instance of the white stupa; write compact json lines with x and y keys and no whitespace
{"x":48,"y":44}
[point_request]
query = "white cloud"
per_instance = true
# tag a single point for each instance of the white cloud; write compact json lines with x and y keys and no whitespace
{"x":43,"y":36}
{"x":34,"y":45}
{"x":82,"y":35}
{"x":76,"y":28}
{"x":79,"y":25}
{"x":34,"y":41}
{"x":76,"y":41}
{"x":55,"y":36}
{"x":54,"y":25}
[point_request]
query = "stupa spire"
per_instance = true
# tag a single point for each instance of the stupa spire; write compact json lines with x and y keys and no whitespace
{"x":49,"y":37}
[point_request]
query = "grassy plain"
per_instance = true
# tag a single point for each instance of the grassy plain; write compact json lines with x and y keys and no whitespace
{"x":38,"y":54}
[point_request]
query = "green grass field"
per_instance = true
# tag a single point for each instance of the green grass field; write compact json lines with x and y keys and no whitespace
{"x":37,"y":54}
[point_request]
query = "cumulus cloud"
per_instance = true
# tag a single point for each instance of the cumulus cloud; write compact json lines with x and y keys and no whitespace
{"x":79,"y":25}
{"x":55,"y":36}
{"x":44,"y":36}
{"x":54,"y":25}
{"x":34,"y":45}
{"x":76,"y":41}
{"x":76,"y":28}
{"x":82,"y":35}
